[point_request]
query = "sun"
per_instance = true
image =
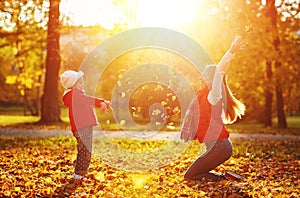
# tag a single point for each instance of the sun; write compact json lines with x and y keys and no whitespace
{"x":166,"y":13}
{"x":135,"y":13}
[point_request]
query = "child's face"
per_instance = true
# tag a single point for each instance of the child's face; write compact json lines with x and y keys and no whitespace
{"x":79,"y":84}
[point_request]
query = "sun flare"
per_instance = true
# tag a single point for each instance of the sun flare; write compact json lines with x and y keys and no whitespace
{"x":136,"y":13}
{"x":166,"y":13}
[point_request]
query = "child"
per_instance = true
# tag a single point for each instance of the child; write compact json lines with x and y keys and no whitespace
{"x":205,"y":118}
{"x":82,"y":117}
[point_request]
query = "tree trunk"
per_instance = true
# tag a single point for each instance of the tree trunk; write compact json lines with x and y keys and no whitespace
{"x":37,"y":99}
{"x":50,"y":111}
{"x":280,"y":103}
{"x":27,"y":103}
{"x":272,"y":13}
{"x":268,"y":97}
{"x":280,"y":109}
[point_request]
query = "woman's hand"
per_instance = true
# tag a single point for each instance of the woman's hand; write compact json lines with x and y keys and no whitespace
{"x":237,"y":44}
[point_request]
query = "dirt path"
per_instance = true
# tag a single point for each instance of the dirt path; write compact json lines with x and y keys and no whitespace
{"x":138,"y":135}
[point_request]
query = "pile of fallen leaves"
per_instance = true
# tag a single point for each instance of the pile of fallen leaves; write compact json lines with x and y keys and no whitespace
{"x":43,"y":168}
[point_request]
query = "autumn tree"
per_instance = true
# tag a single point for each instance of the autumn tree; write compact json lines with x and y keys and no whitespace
{"x":21,"y":49}
{"x":50,"y":111}
{"x":254,"y":74}
{"x":278,"y":19}
{"x":277,"y":28}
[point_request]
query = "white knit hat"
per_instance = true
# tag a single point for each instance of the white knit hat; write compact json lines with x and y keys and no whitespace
{"x":69,"y":78}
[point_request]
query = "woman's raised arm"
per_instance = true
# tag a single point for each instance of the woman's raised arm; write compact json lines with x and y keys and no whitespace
{"x":215,"y":94}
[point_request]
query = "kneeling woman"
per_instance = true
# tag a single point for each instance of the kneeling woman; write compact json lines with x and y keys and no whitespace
{"x":214,"y":106}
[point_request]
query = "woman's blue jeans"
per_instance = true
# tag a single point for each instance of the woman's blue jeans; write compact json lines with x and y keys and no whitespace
{"x":216,"y":153}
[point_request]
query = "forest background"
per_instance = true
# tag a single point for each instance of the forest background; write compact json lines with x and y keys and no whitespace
{"x":39,"y":39}
{"x":36,"y":48}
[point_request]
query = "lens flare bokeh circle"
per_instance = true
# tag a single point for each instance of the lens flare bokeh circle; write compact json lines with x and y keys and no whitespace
{"x":110,"y":150}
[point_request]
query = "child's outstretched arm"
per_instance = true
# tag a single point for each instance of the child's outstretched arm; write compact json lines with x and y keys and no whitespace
{"x":104,"y":105}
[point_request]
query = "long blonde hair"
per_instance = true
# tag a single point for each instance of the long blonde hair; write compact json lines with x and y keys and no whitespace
{"x":233,"y":108}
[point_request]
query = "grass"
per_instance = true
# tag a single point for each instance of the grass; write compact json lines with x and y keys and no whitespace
{"x":259,"y":128}
{"x":6,"y":120}
{"x":293,"y":121}
{"x":13,"y":117}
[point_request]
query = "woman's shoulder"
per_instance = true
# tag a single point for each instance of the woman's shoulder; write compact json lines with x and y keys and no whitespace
{"x":202,"y":91}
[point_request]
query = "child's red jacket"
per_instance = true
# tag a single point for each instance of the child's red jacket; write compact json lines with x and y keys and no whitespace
{"x":81,"y":113}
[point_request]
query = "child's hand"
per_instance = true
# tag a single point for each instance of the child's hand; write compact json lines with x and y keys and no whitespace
{"x":108,"y":105}
{"x":105,"y":107}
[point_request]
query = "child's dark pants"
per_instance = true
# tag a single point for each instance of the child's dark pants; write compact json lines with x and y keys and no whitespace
{"x":84,"y":137}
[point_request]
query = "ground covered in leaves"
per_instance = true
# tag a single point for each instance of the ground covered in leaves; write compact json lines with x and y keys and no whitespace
{"x":43,"y":168}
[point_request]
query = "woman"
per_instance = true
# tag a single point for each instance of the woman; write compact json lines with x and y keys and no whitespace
{"x":206,"y":116}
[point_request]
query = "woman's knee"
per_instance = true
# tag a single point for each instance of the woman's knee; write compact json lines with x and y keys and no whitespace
{"x":230,"y":151}
{"x":227,"y":150}
{"x":188,"y":176}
